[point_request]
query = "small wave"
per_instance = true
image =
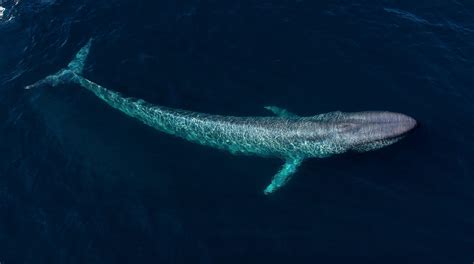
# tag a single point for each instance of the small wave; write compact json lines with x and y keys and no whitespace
{"x":407,"y":15}
{"x":419,"y":20}
{"x":6,"y":8}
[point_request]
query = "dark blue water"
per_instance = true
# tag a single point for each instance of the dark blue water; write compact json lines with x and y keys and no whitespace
{"x":82,"y":183}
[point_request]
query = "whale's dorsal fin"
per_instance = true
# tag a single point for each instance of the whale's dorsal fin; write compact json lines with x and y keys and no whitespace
{"x":280,"y":111}
{"x":284,"y":175}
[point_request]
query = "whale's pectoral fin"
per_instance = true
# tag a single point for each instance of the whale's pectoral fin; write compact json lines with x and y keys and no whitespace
{"x":284,"y":175}
{"x":280,"y":111}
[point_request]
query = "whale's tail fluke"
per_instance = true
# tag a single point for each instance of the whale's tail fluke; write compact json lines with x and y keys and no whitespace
{"x":77,"y":64}
{"x":74,"y":68}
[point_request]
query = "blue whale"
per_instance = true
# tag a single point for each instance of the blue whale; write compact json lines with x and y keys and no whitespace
{"x":284,"y":135}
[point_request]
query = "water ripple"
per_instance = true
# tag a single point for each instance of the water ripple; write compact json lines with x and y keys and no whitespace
{"x":419,"y":20}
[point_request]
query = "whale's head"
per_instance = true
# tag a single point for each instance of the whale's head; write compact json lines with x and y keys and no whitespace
{"x":365,"y":131}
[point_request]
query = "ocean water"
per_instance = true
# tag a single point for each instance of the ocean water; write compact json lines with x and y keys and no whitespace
{"x":82,"y":183}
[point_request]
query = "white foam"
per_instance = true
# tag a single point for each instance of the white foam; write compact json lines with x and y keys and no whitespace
{"x":2,"y":9}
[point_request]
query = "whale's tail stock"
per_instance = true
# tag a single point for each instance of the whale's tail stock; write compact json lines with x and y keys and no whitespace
{"x":73,"y":70}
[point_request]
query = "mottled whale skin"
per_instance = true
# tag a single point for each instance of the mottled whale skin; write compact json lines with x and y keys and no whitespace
{"x":285,"y":135}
